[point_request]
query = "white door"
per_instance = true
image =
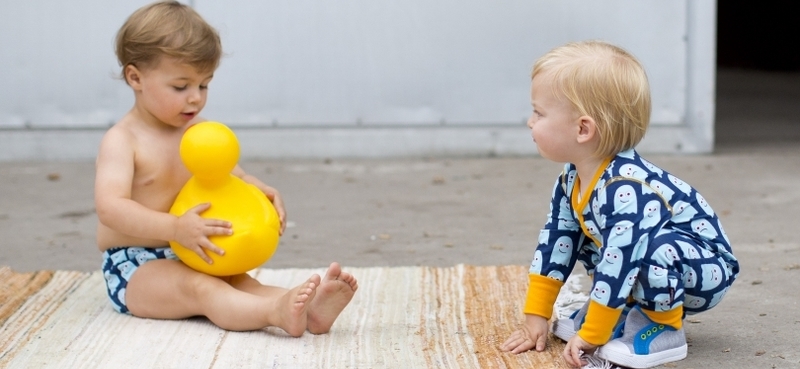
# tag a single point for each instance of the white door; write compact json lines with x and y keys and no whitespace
{"x":354,"y":78}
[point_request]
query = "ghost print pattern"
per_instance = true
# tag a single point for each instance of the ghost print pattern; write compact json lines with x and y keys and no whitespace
{"x":557,"y":248}
{"x":633,"y":203}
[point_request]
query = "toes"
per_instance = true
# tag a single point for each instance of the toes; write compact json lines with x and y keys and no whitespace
{"x":349,"y":279}
{"x":345,"y":276}
{"x":334,"y":272}
{"x":302,"y":296}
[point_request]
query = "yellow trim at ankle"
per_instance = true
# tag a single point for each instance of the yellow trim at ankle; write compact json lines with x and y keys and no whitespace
{"x":598,"y":325}
{"x":673,"y":318}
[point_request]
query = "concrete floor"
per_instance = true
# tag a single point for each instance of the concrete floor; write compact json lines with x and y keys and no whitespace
{"x":487,"y":211}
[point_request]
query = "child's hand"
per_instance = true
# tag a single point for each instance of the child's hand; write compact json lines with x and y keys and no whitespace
{"x":272,"y":194}
{"x":575,"y":348}
{"x":275,"y":197}
{"x":192,"y":231}
{"x":533,"y":334}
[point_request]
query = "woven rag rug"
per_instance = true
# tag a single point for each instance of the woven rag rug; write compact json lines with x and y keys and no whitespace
{"x":401,"y":317}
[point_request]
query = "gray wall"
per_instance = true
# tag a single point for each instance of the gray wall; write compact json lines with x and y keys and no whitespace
{"x":352,"y":78}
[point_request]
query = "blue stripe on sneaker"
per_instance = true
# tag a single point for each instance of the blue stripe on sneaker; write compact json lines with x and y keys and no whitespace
{"x":641,"y":342}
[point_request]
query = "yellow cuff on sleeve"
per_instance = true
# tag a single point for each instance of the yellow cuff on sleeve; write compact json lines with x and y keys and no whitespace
{"x":542,"y":294}
{"x":598,"y":325}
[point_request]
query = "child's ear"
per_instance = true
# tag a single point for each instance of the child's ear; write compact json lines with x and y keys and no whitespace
{"x":133,"y":76}
{"x":587,"y":129}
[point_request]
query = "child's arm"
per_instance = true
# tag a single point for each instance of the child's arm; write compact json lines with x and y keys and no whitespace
{"x":555,"y":256}
{"x":557,"y":250}
{"x":116,"y":209}
{"x":272,"y":194}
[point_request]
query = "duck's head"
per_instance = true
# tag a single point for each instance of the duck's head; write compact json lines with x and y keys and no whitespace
{"x":209,"y":150}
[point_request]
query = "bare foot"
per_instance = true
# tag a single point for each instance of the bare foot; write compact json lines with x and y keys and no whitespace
{"x":333,"y":295}
{"x":293,"y":306}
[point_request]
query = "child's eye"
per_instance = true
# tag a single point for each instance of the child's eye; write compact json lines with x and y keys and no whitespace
{"x":204,"y":87}
{"x":179,"y":88}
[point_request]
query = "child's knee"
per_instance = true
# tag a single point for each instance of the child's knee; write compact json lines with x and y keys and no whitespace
{"x":198,"y":286}
{"x":712,"y":283}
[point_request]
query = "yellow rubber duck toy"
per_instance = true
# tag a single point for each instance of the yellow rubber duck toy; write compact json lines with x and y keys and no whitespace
{"x":210,"y":151}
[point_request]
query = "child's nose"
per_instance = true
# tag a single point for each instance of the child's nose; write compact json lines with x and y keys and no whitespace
{"x":530,"y":122}
{"x":195,"y":96}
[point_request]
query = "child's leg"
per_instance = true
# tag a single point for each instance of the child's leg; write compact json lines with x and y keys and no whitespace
{"x":168,"y":289}
{"x":334,"y":293}
{"x":698,"y":276}
{"x":653,"y":332}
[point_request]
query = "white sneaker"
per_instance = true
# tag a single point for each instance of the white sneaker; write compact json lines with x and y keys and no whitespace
{"x":644,"y":344}
{"x":567,"y":328}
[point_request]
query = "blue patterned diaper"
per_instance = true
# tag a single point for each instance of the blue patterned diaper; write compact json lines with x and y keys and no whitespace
{"x":120,"y":263}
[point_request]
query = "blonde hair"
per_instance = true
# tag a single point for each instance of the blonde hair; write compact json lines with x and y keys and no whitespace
{"x":606,"y":83}
{"x":170,"y":29}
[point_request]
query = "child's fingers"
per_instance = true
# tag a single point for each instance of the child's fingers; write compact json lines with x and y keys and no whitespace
{"x":514,"y":337}
{"x":282,"y":217}
{"x":573,"y":355}
{"x":541,"y":342}
{"x":218,"y":228}
{"x":200,"y":252}
{"x":213,"y":248}
{"x":200,"y":208}
{"x":522,"y":347}
{"x":218,"y":223}
{"x":510,"y":344}
{"x":517,"y":343}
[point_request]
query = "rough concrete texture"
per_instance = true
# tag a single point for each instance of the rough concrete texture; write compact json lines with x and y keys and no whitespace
{"x":487,"y":211}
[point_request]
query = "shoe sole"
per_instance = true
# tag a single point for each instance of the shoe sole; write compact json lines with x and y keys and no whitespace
{"x":619,"y":354}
